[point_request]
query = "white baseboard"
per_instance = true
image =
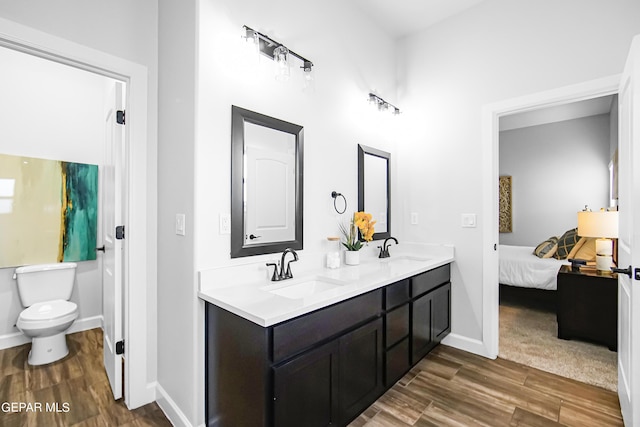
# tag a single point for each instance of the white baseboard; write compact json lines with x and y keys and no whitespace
{"x":467,"y":344}
{"x":18,"y":338}
{"x":170,"y":409}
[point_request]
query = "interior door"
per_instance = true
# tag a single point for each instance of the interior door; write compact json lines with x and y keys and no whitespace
{"x":629,"y":239}
{"x":112,"y":263}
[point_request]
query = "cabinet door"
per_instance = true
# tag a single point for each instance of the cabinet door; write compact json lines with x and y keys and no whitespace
{"x":421,"y":331}
{"x":305,"y":389}
{"x":441,"y":307}
{"x":360,"y":369}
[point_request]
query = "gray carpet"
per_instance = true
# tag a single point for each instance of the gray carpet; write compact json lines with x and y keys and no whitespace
{"x":529,"y":337}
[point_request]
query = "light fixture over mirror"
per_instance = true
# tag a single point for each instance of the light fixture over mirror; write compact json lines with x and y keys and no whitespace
{"x":382,"y":105}
{"x":279,"y":53}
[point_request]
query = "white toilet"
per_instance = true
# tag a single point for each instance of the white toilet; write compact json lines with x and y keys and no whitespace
{"x":45,"y":290}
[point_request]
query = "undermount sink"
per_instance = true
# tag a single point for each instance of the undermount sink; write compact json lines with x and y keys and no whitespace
{"x":303,"y":289}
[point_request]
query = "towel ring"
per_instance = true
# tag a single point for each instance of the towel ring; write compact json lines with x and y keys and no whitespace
{"x":335,"y":196}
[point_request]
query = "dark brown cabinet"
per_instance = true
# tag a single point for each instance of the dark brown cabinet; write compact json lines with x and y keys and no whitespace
{"x":360,"y":365}
{"x":325,"y":367}
{"x":430,"y":311}
{"x":588,"y":306}
{"x":332,"y":384}
{"x":421,"y":336}
{"x":305,"y":389}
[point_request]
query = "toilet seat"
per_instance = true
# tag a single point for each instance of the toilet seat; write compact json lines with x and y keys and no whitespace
{"x":49,"y":312}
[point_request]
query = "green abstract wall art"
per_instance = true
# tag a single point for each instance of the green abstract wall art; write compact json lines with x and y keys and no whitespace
{"x":48,"y":211}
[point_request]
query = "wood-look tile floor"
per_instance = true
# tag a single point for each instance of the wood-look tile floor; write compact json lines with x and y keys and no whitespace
{"x":76,"y":389}
{"x":453,"y":388}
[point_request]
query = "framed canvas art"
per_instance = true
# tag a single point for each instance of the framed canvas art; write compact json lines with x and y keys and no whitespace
{"x":506,"y":217}
{"x":48,"y":211}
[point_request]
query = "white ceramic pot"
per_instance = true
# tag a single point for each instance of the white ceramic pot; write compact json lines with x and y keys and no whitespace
{"x":352,"y":257}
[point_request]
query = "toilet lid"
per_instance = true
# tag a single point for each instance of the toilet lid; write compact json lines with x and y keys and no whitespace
{"x":49,"y":310}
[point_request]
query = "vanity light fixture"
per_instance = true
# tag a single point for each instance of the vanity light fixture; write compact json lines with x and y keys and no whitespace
{"x":279,"y":53}
{"x":383,"y":105}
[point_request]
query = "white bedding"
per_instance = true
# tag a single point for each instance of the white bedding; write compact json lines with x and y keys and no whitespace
{"x":520,"y":267}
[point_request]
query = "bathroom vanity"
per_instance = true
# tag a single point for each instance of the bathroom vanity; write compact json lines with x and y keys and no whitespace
{"x":326,"y":365}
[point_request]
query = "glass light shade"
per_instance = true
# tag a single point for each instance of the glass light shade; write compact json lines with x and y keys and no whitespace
{"x":598,"y":224}
{"x":249,"y":51}
{"x":281,"y":61}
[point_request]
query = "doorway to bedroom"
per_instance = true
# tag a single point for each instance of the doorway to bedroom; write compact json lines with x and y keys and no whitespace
{"x":552,"y":163}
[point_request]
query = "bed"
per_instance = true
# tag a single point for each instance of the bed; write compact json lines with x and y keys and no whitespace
{"x":520,"y":267}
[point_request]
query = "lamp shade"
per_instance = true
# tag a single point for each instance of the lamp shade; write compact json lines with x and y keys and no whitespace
{"x":598,"y":224}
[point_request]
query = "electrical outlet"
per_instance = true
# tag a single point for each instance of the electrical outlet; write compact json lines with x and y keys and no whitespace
{"x":414,"y":218}
{"x":225,"y":223}
{"x":180,"y":224}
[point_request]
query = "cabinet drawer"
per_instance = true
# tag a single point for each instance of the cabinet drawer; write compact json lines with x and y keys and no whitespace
{"x":398,"y":362}
{"x":308,"y":330}
{"x":397,"y":324}
{"x":429,"y":280}
{"x":396,"y":294}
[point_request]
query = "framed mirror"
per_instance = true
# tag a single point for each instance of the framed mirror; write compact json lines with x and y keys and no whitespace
{"x":374,"y":188}
{"x":266,"y":184}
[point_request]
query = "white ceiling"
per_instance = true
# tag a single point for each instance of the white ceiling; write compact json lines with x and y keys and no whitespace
{"x":399,"y":18}
{"x":402,"y":17}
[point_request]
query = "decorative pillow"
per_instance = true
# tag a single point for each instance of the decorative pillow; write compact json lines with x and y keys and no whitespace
{"x":576,"y":248}
{"x":547,"y":248}
{"x":566,"y":242}
{"x":585,"y":251}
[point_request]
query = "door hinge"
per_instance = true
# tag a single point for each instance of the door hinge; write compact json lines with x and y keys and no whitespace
{"x":120,"y":117}
{"x":120,"y":347}
{"x":120,"y":232}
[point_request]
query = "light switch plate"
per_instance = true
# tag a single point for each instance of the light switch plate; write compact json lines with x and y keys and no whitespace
{"x":180,"y":224}
{"x":469,"y":220}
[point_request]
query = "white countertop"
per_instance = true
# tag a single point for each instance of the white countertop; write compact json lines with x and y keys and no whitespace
{"x":246,"y":290}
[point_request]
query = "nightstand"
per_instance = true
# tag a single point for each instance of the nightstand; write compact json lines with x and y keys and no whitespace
{"x":588,"y":306}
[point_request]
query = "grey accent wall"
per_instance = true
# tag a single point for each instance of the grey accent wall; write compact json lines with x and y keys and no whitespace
{"x":557,"y":168}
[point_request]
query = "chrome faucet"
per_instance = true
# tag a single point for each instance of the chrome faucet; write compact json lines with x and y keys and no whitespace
{"x":384,"y":249}
{"x":283,"y":274}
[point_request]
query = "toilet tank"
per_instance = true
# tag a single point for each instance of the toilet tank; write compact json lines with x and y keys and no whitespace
{"x":45,"y":282}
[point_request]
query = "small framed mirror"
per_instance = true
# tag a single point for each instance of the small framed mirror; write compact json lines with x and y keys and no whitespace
{"x":266,"y":184}
{"x":374,"y":188}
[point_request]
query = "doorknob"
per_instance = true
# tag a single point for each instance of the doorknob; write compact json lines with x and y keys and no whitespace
{"x":101,"y":249}
{"x":251,"y":236}
{"x":626,"y":271}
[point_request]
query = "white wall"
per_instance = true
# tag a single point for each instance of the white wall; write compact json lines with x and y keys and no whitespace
{"x":54,"y":112}
{"x":500,"y":49}
{"x":351,"y":57}
{"x":177,"y":340}
{"x":336,"y":116}
{"x":556,"y":169}
{"x":127,"y":30}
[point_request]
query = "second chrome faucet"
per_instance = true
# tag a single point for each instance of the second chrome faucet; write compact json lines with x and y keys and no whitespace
{"x":283,"y":274}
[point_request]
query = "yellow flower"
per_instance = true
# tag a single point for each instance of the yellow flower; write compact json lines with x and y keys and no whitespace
{"x":364,"y":223}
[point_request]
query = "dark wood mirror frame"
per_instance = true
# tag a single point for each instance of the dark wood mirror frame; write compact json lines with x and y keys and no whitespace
{"x":362,"y":151}
{"x":239,"y":116}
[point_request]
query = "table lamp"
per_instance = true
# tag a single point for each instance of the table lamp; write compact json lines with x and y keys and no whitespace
{"x":602,"y":225}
